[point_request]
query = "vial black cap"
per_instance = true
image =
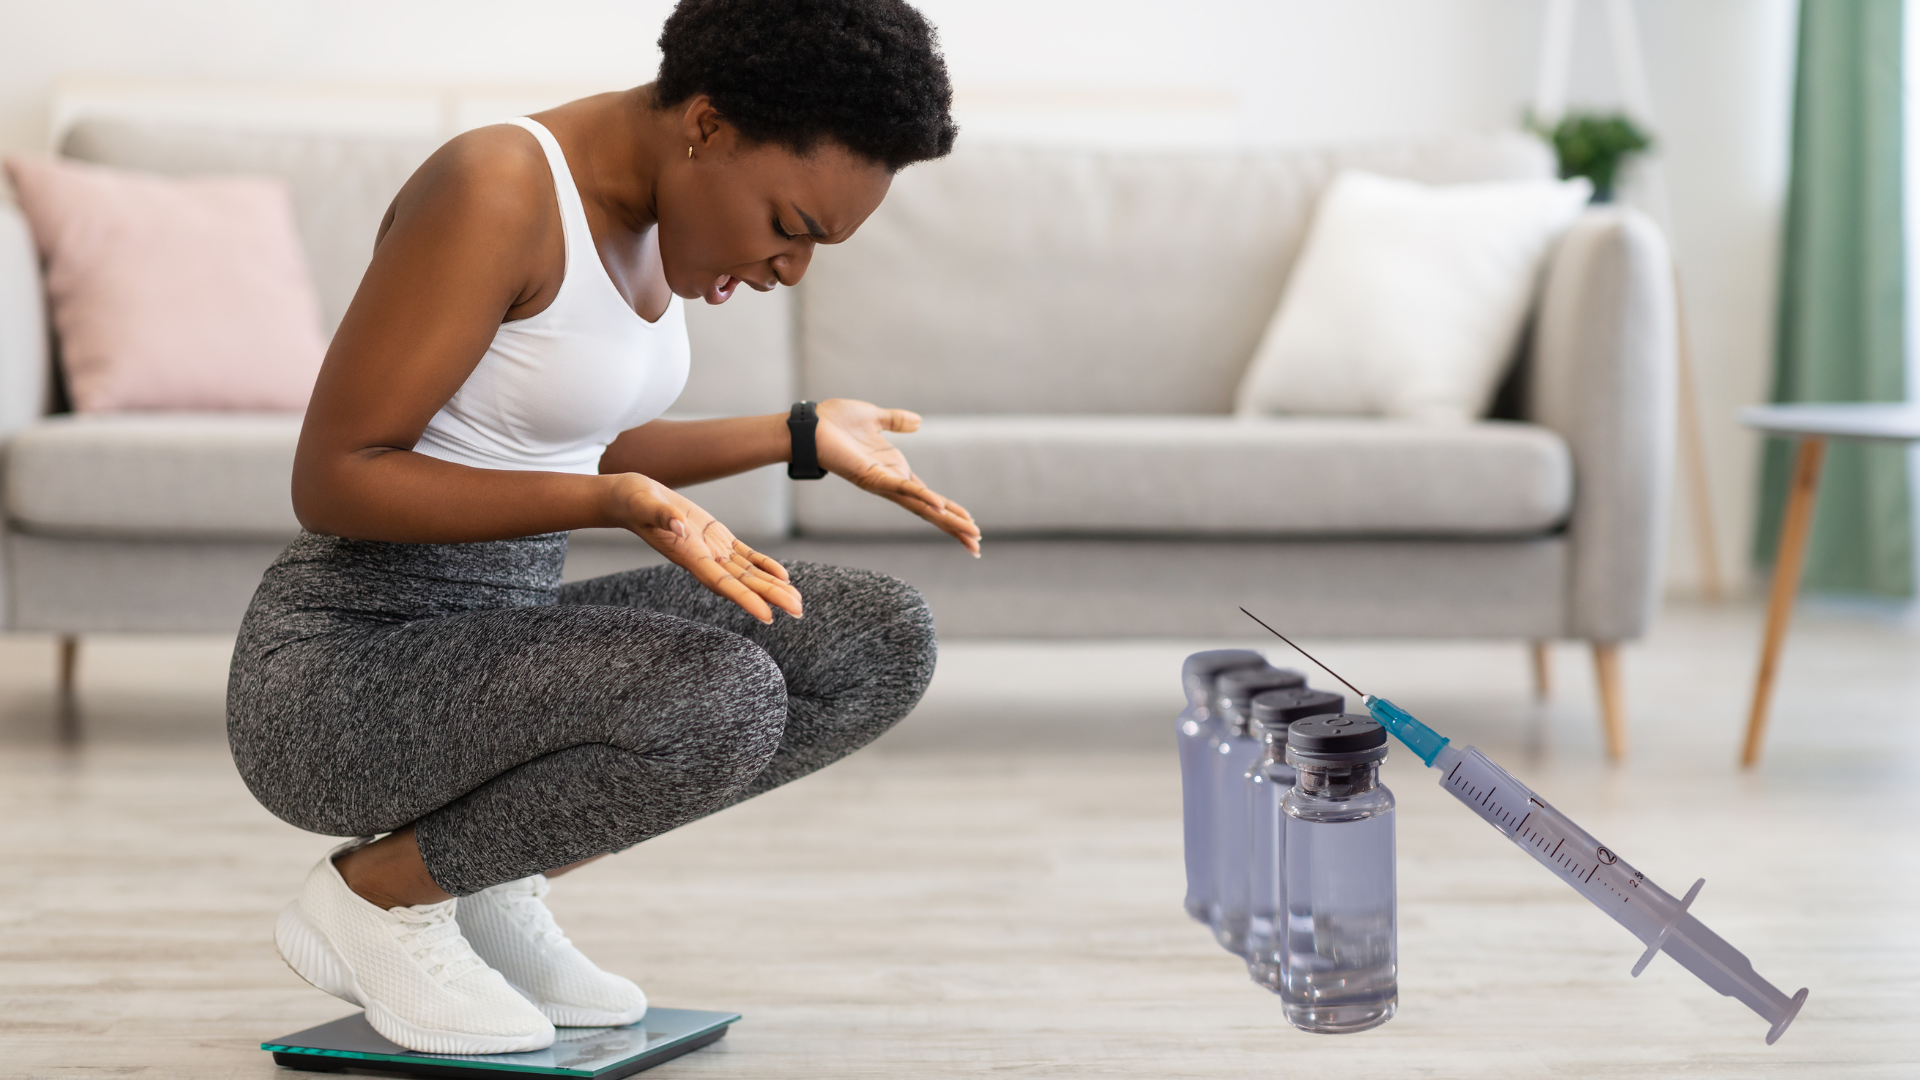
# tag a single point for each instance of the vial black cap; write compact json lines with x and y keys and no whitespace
{"x":1203,"y":667}
{"x":1239,"y":686}
{"x":1339,"y":734}
{"x":1273,"y":709}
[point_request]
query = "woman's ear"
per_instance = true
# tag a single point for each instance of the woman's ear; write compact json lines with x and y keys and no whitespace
{"x":703,"y":127}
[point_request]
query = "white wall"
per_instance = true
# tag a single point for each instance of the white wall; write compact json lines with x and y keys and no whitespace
{"x":1722,"y":81}
{"x":1167,"y":72}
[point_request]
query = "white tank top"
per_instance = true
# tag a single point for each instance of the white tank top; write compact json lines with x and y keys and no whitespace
{"x":554,"y":389}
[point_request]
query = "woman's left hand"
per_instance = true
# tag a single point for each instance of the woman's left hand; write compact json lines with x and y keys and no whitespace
{"x":852,"y":443}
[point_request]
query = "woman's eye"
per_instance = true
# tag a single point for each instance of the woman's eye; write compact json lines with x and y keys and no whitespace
{"x":782,"y":230}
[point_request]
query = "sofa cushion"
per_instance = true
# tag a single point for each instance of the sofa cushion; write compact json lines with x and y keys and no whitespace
{"x":1408,"y":298}
{"x":202,"y":475}
{"x":228,"y":476}
{"x":1189,"y":476}
{"x":1046,"y":281}
{"x":172,"y":292}
{"x":341,"y":185}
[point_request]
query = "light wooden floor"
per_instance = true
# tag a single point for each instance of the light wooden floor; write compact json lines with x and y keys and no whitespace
{"x":994,"y":888}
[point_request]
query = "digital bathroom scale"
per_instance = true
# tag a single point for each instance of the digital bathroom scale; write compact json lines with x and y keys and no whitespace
{"x":602,"y":1053}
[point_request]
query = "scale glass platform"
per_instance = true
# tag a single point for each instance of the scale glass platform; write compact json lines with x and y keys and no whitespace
{"x":601,"y":1053}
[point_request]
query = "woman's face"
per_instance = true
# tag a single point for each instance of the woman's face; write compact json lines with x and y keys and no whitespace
{"x":737,"y":213}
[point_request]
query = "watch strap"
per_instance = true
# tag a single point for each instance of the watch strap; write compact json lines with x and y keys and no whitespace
{"x":804,"y":464}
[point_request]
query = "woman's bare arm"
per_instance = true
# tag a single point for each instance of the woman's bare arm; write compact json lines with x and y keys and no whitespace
{"x":682,"y":452}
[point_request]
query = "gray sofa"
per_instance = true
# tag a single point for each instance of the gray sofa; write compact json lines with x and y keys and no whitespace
{"x":1072,"y":324}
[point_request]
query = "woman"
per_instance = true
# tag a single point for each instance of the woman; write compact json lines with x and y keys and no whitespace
{"x":412,"y":665}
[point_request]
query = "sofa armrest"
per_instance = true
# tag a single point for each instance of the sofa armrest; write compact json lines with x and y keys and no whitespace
{"x":24,"y":359}
{"x":24,"y":363}
{"x":1604,"y":378}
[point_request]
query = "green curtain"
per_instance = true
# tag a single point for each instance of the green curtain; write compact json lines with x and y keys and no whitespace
{"x":1842,"y":315}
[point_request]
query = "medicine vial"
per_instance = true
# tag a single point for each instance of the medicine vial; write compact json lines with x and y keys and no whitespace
{"x":1197,"y":732}
{"x":1339,"y":961}
{"x":1234,"y":751}
{"x":1271,"y":778}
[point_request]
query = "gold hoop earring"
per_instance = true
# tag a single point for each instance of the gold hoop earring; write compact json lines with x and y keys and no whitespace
{"x":689,"y":151}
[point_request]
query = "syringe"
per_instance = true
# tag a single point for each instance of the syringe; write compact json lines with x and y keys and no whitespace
{"x":1650,"y":913}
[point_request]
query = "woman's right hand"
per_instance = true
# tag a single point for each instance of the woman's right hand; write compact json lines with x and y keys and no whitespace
{"x":690,"y":537}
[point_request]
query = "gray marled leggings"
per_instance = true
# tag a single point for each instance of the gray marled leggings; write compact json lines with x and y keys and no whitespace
{"x":520,"y":724}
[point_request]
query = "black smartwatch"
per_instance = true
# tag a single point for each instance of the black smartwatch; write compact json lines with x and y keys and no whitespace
{"x":805,"y":462}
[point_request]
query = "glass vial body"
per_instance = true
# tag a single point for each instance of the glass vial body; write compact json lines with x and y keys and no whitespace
{"x":1339,"y":968}
{"x":1197,"y":733}
{"x":1234,"y":753}
{"x":1271,"y":780}
{"x":1235,"y":750}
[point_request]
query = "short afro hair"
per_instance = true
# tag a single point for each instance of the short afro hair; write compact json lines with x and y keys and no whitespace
{"x":866,"y":74}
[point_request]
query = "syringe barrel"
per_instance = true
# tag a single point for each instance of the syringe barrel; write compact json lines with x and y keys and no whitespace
{"x":1554,"y":841}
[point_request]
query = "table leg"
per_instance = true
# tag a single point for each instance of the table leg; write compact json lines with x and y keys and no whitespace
{"x":1787,"y":562}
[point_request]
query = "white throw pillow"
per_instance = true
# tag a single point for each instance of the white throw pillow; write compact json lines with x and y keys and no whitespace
{"x":1408,"y":299}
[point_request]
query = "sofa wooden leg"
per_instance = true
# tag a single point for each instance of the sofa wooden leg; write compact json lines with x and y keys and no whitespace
{"x":1613,"y":704}
{"x":66,"y":702}
{"x":1542,"y":670}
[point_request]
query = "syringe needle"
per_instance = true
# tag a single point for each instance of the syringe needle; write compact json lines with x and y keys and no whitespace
{"x":1419,"y":738}
{"x":1301,"y":651}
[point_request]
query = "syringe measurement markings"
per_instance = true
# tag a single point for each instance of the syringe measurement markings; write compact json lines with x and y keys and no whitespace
{"x":1498,"y":813}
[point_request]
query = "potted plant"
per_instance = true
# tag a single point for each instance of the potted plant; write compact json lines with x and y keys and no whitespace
{"x":1593,"y":145}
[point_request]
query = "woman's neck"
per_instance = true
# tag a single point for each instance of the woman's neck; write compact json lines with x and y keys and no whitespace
{"x":614,"y":143}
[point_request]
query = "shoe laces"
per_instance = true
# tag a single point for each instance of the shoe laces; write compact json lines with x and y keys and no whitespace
{"x":431,"y":936}
{"x":526,"y":908}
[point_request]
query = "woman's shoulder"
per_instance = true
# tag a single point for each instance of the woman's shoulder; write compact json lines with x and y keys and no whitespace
{"x":496,"y":175}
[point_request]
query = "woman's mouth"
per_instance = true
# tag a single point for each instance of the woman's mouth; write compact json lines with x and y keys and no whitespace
{"x":721,"y":288}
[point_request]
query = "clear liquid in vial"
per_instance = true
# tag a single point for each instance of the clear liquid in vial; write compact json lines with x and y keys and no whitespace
{"x":1339,"y":968}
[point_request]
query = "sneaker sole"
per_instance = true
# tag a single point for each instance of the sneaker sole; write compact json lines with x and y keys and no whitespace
{"x":311,"y":956}
{"x":306,"y":950}
{"x":568,"y":1016}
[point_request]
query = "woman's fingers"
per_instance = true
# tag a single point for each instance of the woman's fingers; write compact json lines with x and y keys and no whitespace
{"x":714,"y":576}
{"x":946,"y":513}
{"x":748,"y":587}
{"x":730,"y":569}
{"x":764,"y":562}
{"x":949,"y":517}
{"x":951,"y":507}
{"x":960,"y":513}
{"x":879,"y":480}
{"x":776,"y":591}
{"x":900,"y":420}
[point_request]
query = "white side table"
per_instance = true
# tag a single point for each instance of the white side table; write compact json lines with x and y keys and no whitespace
{"x":1812,"y":426}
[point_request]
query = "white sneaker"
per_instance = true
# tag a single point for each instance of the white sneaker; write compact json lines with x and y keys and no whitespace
{"x":418,"y":979}
{"x":512,"y":930}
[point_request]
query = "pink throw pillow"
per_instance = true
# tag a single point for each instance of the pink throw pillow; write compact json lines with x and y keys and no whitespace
{"x":173,"y":293}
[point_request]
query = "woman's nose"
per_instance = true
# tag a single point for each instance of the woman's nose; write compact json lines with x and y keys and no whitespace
{"x":792,"y":266}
